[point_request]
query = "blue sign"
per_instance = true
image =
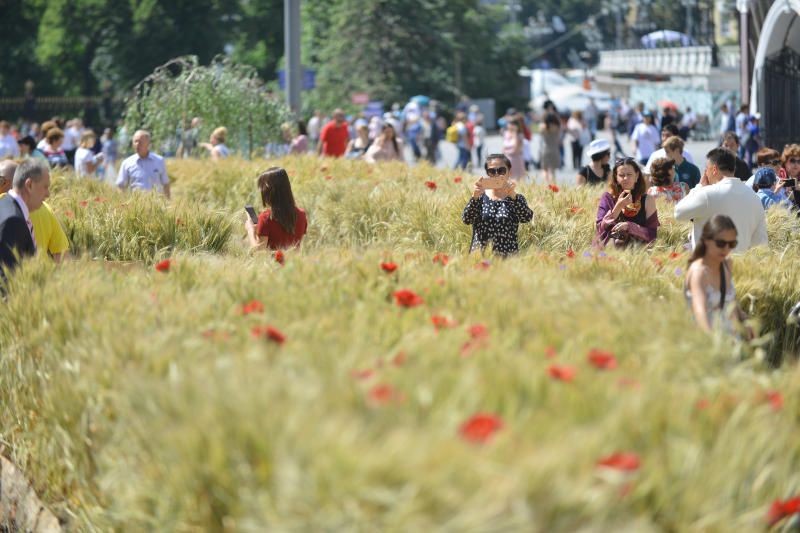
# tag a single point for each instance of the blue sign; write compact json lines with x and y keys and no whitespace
{"x":374,"y":109}
{"x":309,"y":79}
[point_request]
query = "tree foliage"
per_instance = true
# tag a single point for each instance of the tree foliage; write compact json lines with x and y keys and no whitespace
{"x":220,"y":94}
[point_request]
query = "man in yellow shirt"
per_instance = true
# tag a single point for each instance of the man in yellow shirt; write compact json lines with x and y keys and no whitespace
{"x":49,"y":234}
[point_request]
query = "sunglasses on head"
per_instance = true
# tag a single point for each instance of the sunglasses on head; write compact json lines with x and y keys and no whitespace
{"x":497,"y":171}
{"x":625,"y":161}
{"x":774,"y":162}
{"x":721,"y":243}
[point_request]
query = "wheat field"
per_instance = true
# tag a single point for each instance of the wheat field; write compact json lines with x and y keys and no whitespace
{"x":559,"y":390}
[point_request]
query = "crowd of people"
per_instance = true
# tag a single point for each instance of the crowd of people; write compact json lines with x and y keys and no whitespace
{"x":725,"y":203}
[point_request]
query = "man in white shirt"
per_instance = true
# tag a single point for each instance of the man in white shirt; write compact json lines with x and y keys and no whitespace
{"x":719,"y":193}
{"x":8,"y":144}
{"x":72,"y":138}
{"x":144,"y":170}
{"x":314,"y":127}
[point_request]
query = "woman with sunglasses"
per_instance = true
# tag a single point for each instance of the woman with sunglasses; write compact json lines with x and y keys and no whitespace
{"x":626,"y":212}
{"x":708,"y":285}
{"x":495,"y":213}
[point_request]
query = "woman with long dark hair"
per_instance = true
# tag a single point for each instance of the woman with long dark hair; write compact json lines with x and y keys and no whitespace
{"x":550,"y":157}
{"x":387,"y":147}
{"x":708,"y":285}
{"x":283,"y":224}
{"x":626,"y":212}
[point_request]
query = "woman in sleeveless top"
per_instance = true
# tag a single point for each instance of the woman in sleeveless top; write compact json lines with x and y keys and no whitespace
{"x":626,"y":213}
{"x":550,"y":158}
{"x":596,"y":173}
{"x":708,"y":285}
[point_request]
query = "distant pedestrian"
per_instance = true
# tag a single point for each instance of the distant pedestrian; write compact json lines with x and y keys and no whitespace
{"x":550,"y":157}
{"x":144,"y":170}
{"x":741,"y":121}
{"x":357,"y":147}
{"x":670,"y":130}
{"x":513,"y":144}
{"x":216,"y":147}
{"x":458,"y":134}
{"x":577,"y":135}
{"x":687,"y":124}
{"x":479,"y":134}
{"x":53,"y":152}
{"x":334,"y":136}
{"x":685,"y":171}
{"x":190,"y":139}
{"x":731,"y":142}
{"x":314,"y":128}
{"x":72,"y":139}
{"x":27,"y":149}
{"x":299,"y":144}
{"x":726,"y":121}
{"x":86,"y":162}
{"x":387,"y":147}
{"x":8,"y":143}
{"x":645,"y":137}
{"x":110,"y":149}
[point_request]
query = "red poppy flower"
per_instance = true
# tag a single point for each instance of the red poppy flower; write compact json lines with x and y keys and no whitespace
{"x":602,"y":360}
{"x":441,"y":258}
{"x":69,"y":213}
{"x":328,"y":178}
{"x":83,"y":203}
{"x":479,"y":428}
{"x":625,"y":461}
{"x":550,"y":352}
{"x":268,"y":333}
{"x":458,"y":179}
{"x":383,"y":394}
{"x":399,"y":359}
{"x":163,"y":266}
{"x":209,"y":333}
{"x":575,"y":210}
{"x":658,"y":262}
{"x":674,"y":255}
{"x":442,"y":322}
{"x":431,"y":185}
{"x":781,"y":509}
{"x":253,"y":306}
{"x":407,"y":298}
{"x":562,"y":372}
{"x":279,"y":257}
{"x":553,"y":187}
{"x":389,"y":267}
{"x":363,"y":374}
{"x":571,"y":253}
{"x":478,"y":331}
{"x":702,"y":404}
{"x":179,"y":222}
{"x":775,"y":399}
{"x":100,"y":200}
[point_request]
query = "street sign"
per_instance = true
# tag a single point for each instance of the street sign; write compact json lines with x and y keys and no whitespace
{"x":309,"y":79}
{"x":359,"y":98}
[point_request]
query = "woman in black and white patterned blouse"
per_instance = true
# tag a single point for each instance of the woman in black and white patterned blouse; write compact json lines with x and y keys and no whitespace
{"x":495,"y":213}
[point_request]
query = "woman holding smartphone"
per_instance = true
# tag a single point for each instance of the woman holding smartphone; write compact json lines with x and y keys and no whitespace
{"x":283,"y":224}
{"x":626,"y":212}
{"x":495,"y":209}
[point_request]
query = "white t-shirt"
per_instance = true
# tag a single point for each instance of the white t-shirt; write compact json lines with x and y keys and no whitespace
{"x":83,"y":156}
{"x":646,"y":137}
{"x":72,"y":138}
{"x":661,"y":153}
{"x":8,"y":146}
{"x":479,"y":134}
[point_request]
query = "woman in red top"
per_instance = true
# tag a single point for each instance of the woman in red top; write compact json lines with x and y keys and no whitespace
{"x":283,"y":224}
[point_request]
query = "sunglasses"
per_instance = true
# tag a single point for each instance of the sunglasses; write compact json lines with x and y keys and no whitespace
{"x":625,"y":161}
{"x":793,"y":161}
{"x":774,"y":162}
{"x":720,"y":243}
{"x":498,"y":171}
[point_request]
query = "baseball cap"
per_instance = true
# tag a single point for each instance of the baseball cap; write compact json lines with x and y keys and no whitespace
{"x":765,"y":177}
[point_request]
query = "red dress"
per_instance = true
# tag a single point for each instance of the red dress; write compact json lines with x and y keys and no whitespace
{"x":277,"y":237}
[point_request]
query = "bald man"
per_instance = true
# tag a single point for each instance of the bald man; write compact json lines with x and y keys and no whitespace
{"x":144,"y":170}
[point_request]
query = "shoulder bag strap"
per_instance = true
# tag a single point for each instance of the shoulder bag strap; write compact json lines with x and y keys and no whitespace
{"x":723,"y":286}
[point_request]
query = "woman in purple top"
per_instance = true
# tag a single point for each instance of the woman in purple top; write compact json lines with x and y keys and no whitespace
{"x":626,"y":213}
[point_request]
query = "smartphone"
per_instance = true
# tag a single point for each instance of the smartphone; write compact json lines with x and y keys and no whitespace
{"x":252,"y":213}
{"x":790,"y":183}
{"x":494,"y":183}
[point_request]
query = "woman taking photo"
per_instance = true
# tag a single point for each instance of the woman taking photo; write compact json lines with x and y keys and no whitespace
{"x":597,"y":172}
{"x":550,"y":158}
{"x":626,"y":213}
{"x":662,"y":176}
{"x":283,"y":224}
{"x":708,"y":285}
{"x":495,"y":213}
{"x":387,"y":147}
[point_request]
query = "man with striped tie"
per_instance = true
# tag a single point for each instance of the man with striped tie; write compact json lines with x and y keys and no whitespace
{"x":29,"y":188}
